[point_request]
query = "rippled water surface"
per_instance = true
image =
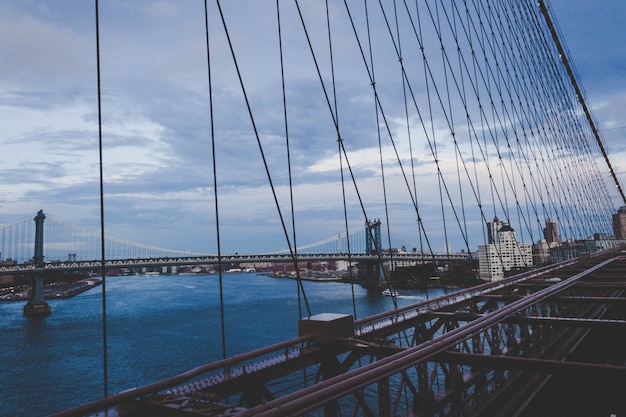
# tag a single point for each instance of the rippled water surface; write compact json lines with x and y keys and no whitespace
{"x":157,"y":327}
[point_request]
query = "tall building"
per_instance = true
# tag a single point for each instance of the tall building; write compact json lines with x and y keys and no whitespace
{"x":492,"y":229}
{"x":619,"y":223}
{"x":504,"y":253}
{"x":551,"y":232}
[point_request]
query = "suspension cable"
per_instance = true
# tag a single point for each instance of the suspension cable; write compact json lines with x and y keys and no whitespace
{"x":215,"y":193}
{"x":102,"y":248}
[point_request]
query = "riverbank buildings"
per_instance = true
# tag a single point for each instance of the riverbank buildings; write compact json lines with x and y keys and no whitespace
{"x":503,"y":253}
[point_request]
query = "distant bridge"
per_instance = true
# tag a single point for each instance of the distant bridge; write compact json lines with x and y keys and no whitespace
{"x":66,"y":243}
{"x":76,"y":261}
{"x":96,"y":265}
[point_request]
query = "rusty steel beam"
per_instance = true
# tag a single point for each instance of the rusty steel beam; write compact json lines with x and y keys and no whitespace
{"x":591,"y":299}
{"x":544,"y":366}
{"x":603,"y":284}
{"x":334,"y":388}
{"x":569,"y":321}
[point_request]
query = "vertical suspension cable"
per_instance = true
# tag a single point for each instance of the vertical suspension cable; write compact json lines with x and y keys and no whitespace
{"x":215,"y":193}
{"x":408,"y":128}
{"x":299,"y":283}
{"x":258,"y":140}
{"x":437,"y":25}
{"x":341,"y":169}
{"x":102,"y":252}
{"x":380,"y":155}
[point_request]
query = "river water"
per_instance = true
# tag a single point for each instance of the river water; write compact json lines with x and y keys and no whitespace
{"x":157,"y":327}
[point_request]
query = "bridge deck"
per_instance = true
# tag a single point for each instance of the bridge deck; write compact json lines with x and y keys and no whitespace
{"x":480,"y":349}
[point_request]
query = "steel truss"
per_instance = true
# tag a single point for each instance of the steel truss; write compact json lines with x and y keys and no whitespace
{"x":482,"y":351}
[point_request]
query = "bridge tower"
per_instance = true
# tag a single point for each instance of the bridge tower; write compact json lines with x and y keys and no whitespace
{"x":371,"y":272}
{"x":372,"y":237}
{"x":37,"y":305}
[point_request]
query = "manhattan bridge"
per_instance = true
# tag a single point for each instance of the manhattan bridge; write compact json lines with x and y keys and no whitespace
{"x":473,"y":111}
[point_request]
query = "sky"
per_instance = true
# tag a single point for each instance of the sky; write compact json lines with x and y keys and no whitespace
{"x":156,"y":130}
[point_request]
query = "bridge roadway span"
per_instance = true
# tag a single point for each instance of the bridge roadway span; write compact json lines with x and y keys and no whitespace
{"x":487,"y":350}
{"x":95,"y":265}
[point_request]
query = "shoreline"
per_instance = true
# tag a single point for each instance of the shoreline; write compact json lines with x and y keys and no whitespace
{"x":54,"y":291}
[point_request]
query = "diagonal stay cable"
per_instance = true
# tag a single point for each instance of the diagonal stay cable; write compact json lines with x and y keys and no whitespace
{"x":215,"y":194}
{"x":299,"y":284}
{"x":258,"y":139}
{"x":336,"y":125}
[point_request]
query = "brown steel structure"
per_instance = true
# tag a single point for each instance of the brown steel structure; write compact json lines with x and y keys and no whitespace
{"x":495,"y":349}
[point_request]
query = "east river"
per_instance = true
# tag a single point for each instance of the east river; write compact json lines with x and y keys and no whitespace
{"x":157,"y":327}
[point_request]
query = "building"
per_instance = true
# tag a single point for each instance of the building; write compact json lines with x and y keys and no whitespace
{"x":573,"y":249}
{"x":504,"y":253}
{"x":492,"y":230}
{"x":551,"y":233}
{"x":619,"y":223}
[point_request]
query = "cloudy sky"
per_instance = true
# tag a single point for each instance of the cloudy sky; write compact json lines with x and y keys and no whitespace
{"x":158,"y":172}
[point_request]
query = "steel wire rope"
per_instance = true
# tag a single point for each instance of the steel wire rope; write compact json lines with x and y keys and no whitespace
{"x":575,"y":122}
{"x":427,"y":72}
{"x":485,"y":124}
{"x":380,"y":153}
{"x":517,"y":118}
{"x":408,"y":128}
{"x":502,"y":84}
{"x":405,"y":84}
{"x":421,"y":47}
{"x":385,"y":120}
{"x":520,"y":113}
{"x":335,"y":123}
{"x":540,"y":100}
{"x":486,"y":45}
{"x":576,"y":126}
{"x":215,"y":192}
{"x":450,"y":118}
{"x":464,"y":99}
{"x":556,"y":124}
{"x":579,"y":93}
{"x":101,"y":189}
{"x":341,"y":171}
{"x":458,"y":153}
{"x":258,"y":138}
{"x":463,"y":96}
{"x":494,"y":189}
{"x":433,"y":151}
{"x":12,"y":245}
{"x":387,"y":123}
{"x":558,"y":127}
{"x":111,"y":239}
{"x":329,"y":240}
{"x":535,"y":104}
{"x":433,"y":145}
{"x":513,"y":159}
{"x":300,"y":286}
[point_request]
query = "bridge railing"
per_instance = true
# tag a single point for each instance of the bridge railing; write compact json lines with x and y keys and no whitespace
{"x":223,"y":369}
{"x":371,"y":323}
